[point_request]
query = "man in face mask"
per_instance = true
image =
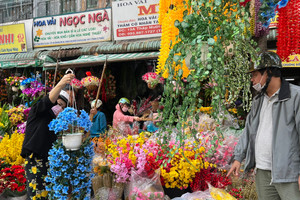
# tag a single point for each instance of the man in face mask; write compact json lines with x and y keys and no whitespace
{"x":120,"y":113}
{"x":270,"y":142}
{"x":38,"y":139}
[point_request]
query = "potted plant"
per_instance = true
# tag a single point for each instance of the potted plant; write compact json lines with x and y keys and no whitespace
{"x":71,"y":127}
{"x":152,"y":79}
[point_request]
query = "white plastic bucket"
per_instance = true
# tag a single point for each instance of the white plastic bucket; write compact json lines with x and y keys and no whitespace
{"x":72,"y":141}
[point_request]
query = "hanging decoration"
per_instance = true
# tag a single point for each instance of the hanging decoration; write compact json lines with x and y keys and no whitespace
{"x":256,"y":26}
{"x":90,"y":82}
{"x":169,"y":12}
{"x":288,"y":39}
{"x":268,"y":10}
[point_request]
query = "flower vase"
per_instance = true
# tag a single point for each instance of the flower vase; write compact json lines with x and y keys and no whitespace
{"x":151,"y":86}
{"x":73,"y":141}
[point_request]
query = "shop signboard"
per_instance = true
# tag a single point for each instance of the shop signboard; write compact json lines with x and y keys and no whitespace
{"x":291,"y":61}
{"x":135,"y":19}
{"x":12,"y":38}
{"x":83,"y":27}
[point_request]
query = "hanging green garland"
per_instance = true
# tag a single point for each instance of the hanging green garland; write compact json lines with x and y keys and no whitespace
{"x":215,"y":41}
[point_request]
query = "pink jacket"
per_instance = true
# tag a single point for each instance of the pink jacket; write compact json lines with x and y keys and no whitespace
{"x":120,"y":117}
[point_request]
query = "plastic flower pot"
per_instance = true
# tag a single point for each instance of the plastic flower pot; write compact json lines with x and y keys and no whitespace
{"x":73,"y":141}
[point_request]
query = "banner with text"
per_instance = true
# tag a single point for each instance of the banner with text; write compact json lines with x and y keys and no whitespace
{"x":12,"y":38}
{"x":135,"y":19}
{"x":84,"y":27}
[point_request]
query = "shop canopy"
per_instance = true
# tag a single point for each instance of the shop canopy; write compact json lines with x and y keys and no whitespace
{"x":90,"y":60}
{"x":23,"y":60}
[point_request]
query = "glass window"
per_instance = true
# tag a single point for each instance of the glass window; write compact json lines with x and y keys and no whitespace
{"x":68,"y":6}
{"x":90,"y":4}
{"x":15,"y":11}
{"x":43,"y":8}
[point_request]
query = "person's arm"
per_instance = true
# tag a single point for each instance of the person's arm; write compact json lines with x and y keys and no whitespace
{"x":297,"y":120}
{"x":54,"y":93}
{"x":241,"y":148}
{"x":127,"y":118}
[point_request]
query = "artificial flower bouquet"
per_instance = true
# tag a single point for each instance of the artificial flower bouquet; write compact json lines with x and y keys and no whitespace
{"x":75,"y":83}
{"x":90,"y":82}
{"x":5,"y":125}
{"x":134,"y":152}
{"x":69,"y":122}
{"x":13,"y":181}
{"x":185,"y":162}
{"x":152,"y":79}
{"x":10,"y":148}
{"x":32,"y":90}
{"x":14,"y":82}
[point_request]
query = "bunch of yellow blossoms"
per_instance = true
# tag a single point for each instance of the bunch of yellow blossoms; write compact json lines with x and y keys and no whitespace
{"x":126,"y":146}
{"x":169,"y":12}
{"x":181,"y":171}
{"x":16,"y":115}
{"x":10,"y":148}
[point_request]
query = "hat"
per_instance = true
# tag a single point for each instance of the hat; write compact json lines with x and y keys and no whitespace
{"x":266,"y":60}
{"x":64,"y":96}
{"x":99,"y":103}
{"x":124,"y":100}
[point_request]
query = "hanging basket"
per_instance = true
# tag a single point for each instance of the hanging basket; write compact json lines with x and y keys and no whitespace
{"x":151,"y":86}
{"x":73,"y":141}
{"x":91,"y":87}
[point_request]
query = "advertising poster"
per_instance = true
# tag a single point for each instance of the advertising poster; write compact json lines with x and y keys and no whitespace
{"x":84,"y":27}
{"x":12,"y":38}
{"x":135,"y":19}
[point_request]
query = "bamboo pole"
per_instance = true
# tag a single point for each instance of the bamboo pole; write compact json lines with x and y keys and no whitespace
{"x":99,"y":87}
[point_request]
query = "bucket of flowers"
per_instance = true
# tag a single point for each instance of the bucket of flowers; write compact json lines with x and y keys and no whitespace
{"x":13,"y":182}
{"x":71,"y":127}
{"x":152,"y":79}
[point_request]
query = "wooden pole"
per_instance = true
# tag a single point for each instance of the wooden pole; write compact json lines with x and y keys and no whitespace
{"x":99,"y":86}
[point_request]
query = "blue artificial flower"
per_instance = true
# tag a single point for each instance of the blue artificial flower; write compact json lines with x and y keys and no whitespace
{"x":282,"y":3}
{"x":81,"y":159}
{"x":65,"y":157}
{"x":65,"y":190}
{"x":81,"y":167}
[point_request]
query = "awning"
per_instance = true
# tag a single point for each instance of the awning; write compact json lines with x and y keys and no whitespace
{"x":89,"y":60}
{"x":22,"y":60}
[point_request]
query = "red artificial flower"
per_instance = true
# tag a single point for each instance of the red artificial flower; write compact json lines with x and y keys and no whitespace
{"x":88,"y":73}
{"x":21,"y":188}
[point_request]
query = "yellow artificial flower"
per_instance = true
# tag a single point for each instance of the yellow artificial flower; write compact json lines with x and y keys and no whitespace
{"x":34,"y":170}
{"x":10,"y":148}
{"x":32,"y":185}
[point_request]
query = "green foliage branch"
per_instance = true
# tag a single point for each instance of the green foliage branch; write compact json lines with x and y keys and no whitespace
{"x":224,"y":61}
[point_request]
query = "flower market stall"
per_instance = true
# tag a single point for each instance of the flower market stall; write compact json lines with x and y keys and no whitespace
{"x":182,"y":145}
